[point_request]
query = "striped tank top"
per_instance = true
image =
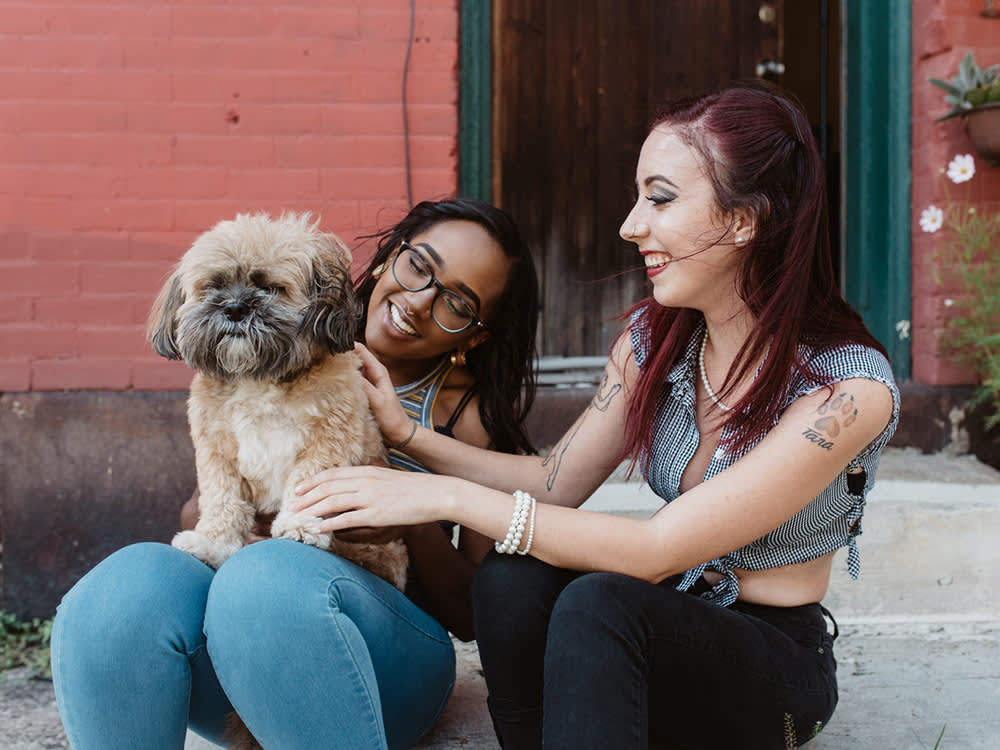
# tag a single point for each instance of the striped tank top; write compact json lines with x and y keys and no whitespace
{"x":418,"y":400}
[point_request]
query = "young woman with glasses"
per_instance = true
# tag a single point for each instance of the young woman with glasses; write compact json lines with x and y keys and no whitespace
{"x":310,"y":649}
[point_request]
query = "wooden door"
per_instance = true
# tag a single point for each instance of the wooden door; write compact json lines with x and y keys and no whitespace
{"x":576,"y":84}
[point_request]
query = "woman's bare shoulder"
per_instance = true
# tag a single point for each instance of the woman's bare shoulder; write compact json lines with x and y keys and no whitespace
{"x":468,"y":426}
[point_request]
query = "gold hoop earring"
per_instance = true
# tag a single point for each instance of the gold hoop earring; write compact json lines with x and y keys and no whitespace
{"x":458,"y":358}
{"x":378,"y":270}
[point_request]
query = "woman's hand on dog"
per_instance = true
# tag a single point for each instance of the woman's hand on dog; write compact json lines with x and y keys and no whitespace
{"x":354,"y":497}
{"x":392,"y":420}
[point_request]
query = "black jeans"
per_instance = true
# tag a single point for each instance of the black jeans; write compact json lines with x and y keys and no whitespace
{"x":601,"y":660}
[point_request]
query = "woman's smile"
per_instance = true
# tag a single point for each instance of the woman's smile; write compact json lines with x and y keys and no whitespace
{"x":655,"y":262}
{"x":399,"y":322}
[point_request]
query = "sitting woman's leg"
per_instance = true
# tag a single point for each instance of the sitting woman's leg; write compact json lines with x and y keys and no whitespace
{"x":513,"y":598}
{"x":129,"y":664}
{"x":314,"y":652}
{"x":629,"y":664}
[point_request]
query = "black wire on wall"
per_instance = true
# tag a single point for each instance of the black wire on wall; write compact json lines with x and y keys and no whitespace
{"x":406,"y":124}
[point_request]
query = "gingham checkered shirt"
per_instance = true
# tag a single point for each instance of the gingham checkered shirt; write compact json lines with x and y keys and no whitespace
{"x":830,"y":521}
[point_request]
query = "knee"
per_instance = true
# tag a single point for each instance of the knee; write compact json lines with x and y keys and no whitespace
{"x":597,"y":589}
{"x":134,"y":594}
{"x":597,"y":602}
{"x":275,"y":583}
{"x":259,"y":577}
{"x":495,"y":579}
{"x":139,"y":577}
{"x":513,"y":596}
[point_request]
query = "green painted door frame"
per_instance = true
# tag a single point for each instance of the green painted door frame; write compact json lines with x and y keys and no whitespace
{"x":875,"y":152}
{"x":876,"y":170}
{"x":474,"y":99}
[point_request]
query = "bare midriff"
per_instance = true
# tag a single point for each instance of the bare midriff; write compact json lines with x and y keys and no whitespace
{"x":787,"y":586}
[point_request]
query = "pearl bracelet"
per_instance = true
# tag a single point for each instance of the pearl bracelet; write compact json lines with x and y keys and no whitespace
{"x":531,"y":530}
{"x":524,"y":505}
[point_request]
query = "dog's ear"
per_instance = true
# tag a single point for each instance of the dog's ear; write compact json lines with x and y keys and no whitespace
{"x":162,"y":327}
{"x":333,"y":314}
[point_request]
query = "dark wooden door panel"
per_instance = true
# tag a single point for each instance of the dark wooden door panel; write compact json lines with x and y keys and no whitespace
{"x":576,"y":84}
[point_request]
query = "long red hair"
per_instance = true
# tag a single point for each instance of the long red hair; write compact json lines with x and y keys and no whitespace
{"x":761,"y":157}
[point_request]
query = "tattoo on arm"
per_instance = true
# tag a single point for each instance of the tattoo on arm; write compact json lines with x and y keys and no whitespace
{"x":835,"y":414}
{"x":601,"y":402}
{"x":604,"y":396}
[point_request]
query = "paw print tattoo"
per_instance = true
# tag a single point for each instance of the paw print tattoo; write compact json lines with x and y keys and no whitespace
{"x":835,"y":414}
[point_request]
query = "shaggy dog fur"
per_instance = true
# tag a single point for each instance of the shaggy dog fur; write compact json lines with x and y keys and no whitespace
{"x":264,"y":310}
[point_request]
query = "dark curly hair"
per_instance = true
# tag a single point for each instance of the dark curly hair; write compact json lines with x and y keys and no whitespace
{"x":504,"y":364}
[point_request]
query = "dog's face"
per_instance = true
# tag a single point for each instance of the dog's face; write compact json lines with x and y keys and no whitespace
{"x":257,"y":297}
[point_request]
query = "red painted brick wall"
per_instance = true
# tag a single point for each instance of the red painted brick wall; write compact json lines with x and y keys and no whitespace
{"x":943,"y":31}
{"x":127,"y":127}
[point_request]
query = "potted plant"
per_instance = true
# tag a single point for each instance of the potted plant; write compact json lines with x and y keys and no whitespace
{"x":974,"y":95}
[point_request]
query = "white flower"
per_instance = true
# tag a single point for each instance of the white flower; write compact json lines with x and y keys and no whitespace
{"x":931,"y":219}
{"x":961,"y":168}
{"x":903,"y":329}
{"x":949,"y":302}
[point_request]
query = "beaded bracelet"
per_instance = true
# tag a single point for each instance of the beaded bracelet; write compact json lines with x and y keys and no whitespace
{"x":531,"y":530}
{"x":524,"y":504}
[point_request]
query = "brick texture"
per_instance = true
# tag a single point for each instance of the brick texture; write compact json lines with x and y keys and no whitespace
{"x":128,"y":128}
{"x":943,"y":31}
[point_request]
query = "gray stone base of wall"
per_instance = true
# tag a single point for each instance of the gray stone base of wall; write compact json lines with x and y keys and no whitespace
{"x":84,"y":473}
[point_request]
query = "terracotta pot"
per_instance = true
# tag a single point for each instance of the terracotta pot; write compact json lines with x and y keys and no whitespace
{"x":983,"y":127}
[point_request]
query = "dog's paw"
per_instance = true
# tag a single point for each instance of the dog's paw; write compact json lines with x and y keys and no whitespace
{"x":301,"y":528}
{"x":205,"y":549}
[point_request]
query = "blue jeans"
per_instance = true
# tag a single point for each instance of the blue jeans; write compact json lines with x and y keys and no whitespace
{"x":602,"y":660}
{"x":311,"y":650}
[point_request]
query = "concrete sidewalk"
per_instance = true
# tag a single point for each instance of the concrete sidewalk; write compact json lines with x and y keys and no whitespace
{"x":919,"y":646}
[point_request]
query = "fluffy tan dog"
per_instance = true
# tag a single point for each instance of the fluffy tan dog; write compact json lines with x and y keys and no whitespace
{"x":264,"y":310}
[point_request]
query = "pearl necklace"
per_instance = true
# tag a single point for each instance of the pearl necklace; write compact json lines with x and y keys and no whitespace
{"x":704,"y":378}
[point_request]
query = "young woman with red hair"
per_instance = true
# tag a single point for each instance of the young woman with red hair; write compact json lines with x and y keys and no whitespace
{"x":755,"y":403}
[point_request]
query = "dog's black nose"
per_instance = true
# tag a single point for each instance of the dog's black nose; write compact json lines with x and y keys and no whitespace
{"x":236,"y":311}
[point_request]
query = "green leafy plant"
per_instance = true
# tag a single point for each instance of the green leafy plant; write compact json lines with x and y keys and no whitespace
{"x":938,"y":743}
{"x":972,"y":87}
{"x":969,"y":263}
{"x":25,"y":644}
{"x":940,"y":736}
{"x":791,"y":740}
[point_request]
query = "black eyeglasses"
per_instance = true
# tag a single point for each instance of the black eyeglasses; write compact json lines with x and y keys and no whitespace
{"x":450,"y":310}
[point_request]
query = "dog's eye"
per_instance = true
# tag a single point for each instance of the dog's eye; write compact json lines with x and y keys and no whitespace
{"x":274,"y":289}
